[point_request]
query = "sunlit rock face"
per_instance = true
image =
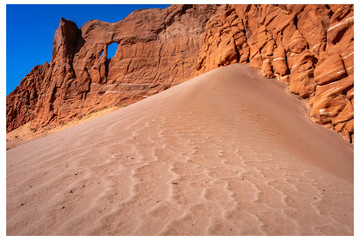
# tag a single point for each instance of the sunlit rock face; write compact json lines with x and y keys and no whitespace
{"x":309,"y":47}
{"x":157,"y":49}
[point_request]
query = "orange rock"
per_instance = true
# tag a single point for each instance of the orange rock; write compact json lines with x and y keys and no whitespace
{"x":345,"y":115}
{"x":162,"y":51}
{"x":302,"y":74}
{"x":228,"y":53}
{"x":329,"y":70}
{"x":312,"y":23}
{"x":256,"y":61}
{"x":244,"y":53}
{"x":284,"y":79}
{"x":279,"y":61}
{"x":350,"y":93}
{"x":297,"y":43}
{"x":287,"y":35}
{"x":270,"y":45}
{"x":346,"y":135}
{"x":261,"y":37}
{"x":302,"y":83}
{"x":350,"y":126}
{"x":266,"y":68}
{"x":327,"y":109}
{"x":335,"y":88}
{"x":347,"y":56}
{"x":334,"y":7}
{"x":329,"y":100}
{"x":339,"y":127}
{"x":310,"y":47}
{"x":341,"y":25}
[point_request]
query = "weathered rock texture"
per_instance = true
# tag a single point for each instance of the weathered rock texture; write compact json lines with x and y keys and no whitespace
{"x":157,"y":49}
{"x":309,"y":47}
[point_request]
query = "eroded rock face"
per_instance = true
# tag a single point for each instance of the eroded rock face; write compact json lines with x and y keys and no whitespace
{"x":157,"y":49}
{"x":309,"y":47}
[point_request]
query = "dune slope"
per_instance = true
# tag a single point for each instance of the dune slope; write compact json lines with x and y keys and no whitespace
{"x":226,"y":153}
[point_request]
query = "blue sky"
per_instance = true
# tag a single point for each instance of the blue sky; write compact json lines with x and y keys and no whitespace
{"x":30,"y":32}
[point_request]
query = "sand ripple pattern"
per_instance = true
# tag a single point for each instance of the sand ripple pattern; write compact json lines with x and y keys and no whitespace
{"x":227,"y":153}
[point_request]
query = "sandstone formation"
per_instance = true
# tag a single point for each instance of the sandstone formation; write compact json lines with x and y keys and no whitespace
{"x":309,"y":47}
{"x":157,"y":49}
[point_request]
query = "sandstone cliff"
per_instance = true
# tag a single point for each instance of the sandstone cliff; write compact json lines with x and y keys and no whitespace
{"x":309,"y":47}
{"x":157,"y":49}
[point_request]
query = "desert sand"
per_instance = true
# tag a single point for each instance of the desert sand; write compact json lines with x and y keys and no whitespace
{"x":26,"y":133}
{"x":226,"y":153}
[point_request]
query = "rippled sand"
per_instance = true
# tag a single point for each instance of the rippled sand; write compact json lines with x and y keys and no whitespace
{"x":226,"y":153}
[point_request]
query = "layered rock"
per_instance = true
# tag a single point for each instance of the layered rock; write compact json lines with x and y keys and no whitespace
{"x":308,"y":47}
{"x":157,"y":49}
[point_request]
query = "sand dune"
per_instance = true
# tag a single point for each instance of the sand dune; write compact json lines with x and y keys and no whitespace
{"x":226,"y":153}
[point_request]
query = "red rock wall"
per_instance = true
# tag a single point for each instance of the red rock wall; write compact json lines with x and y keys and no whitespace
{"x":157,"y":49}
{"x":308,"y":47}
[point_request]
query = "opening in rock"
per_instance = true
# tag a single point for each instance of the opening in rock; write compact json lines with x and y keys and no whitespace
{"x":112,"y":50}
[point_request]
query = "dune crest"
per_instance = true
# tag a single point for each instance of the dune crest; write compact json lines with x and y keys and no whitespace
{"x":235,"y":156}
{"x":310,"y":47}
